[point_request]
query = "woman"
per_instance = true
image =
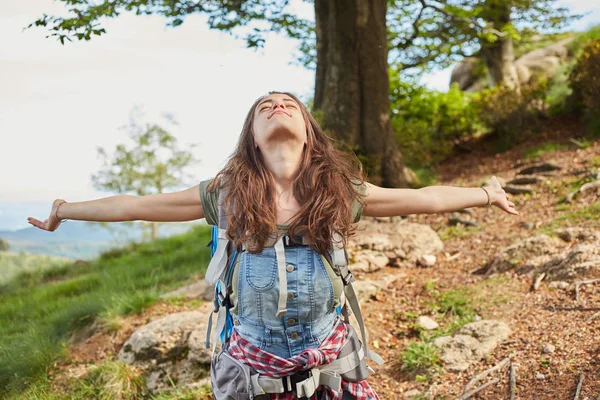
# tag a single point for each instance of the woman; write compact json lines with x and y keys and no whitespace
{"x":285,"y":178}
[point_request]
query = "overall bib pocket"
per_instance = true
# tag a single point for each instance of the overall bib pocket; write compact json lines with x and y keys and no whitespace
{"x":260,"y":269}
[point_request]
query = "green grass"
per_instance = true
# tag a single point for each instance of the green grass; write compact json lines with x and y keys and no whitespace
{"x":537,"y":151}
{"x":421,"y":357}
{"x":110,"y":380}
{"x":13,"y":263}
{"x":40,"y":310}
{"x":456,"y":231}
{"x":577,"y":45}
{"x":589,"y":213}
{"x":201,"y":393}
{"x":454,"y":309}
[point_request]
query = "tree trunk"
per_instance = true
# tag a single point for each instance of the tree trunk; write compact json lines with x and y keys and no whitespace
{"x":500,"y":60}
{"x":500,"y":56}
{"x":352,"y":85}
{"x":154,"y":230}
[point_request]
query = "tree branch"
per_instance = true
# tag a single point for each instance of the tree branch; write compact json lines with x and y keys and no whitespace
{"x":409,"y":42}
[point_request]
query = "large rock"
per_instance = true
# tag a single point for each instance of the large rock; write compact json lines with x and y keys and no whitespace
{"x":404,"y":243}
{"x":366,"y":288}
{"x":170,"y":349}
{"x":471,"y":343}
{"x":521,"y":251}
{"x":576,"y":233}
{"x":464,"y":73}
{"x":368,"y":260}
{"x":543,"y":62}
{"x":199,"y":289}
{"x":579,"y":260}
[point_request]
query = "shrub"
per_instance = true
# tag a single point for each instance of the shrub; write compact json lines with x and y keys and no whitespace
{"x":511,"y":114}
{"x":421,"y":357}
{"x":585,"y":81}
{"x":430,"y":124}
{"x":4,"y":245}
{"x":559,"y":95}
{"x":579,"y":43}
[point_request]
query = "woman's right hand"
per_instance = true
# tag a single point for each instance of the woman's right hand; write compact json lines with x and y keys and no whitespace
{"x":50,"y":224}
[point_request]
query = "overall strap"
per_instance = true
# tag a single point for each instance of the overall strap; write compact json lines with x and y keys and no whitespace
{"x":281,"y":272}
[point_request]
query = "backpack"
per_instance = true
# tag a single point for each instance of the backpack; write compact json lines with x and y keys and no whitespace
{"x":220,"y":270}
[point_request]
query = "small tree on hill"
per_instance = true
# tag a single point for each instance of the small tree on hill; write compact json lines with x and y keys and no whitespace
{"x":154,"y":163}
{"x":4,"y":245}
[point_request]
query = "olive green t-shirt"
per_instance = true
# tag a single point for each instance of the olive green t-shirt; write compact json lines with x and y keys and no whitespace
{"x":210,"y":201}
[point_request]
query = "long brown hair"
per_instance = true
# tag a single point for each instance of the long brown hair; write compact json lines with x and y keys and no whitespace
{"x":324,"y":187}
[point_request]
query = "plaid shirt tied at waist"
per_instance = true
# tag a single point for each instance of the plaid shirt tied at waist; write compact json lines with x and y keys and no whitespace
{"x":274,"y":366}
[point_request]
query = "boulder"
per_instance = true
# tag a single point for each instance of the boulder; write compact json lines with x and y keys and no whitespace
{"x":543,"y":62}
{"x":407,"y":241}
{"x":463,"y":73}
{"x":578,"y":262}
{"x":573,"y":233}
{"x":170,"y":349}
{"x":199,"y":289}
{"x":526,"y":249}
{"x":471,"y":343}
{"x":369,"y":260}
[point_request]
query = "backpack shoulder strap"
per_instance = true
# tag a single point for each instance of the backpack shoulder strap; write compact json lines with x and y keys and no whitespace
{"x":339,"y":261}
{"x":218,"y":262}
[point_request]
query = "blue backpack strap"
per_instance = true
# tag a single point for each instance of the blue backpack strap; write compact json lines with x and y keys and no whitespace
{"x":214,"y":239}
{"x":226,"y":332}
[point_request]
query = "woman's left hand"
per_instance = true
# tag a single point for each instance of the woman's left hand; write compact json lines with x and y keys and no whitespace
{"x":499,"y":197}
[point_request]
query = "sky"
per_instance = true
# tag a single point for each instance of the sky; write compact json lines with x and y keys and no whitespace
{"x":59,"y":103}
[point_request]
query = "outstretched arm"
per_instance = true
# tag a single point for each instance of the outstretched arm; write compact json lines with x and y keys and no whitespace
{"x":162,"y":207}
{"x":383,"y":202}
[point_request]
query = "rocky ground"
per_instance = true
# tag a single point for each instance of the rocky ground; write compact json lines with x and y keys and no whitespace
{"x":404,"y":267}
{"x":551,"y":349}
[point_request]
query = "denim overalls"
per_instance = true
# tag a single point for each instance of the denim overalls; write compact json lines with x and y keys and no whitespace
{"x":310,"y":313}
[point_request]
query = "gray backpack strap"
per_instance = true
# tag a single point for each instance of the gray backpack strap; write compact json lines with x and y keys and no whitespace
{"x":340,"y":266}
{"x":217,"y":269}
{"x":218,"y":263}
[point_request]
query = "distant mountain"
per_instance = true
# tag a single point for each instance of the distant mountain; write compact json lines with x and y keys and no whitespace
{"x":79,"y":239}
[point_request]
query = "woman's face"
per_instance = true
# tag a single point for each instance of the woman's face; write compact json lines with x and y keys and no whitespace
{"x":277,"y":118}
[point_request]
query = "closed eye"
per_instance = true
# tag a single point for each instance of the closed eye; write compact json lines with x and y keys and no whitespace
{"x":268,"y":104}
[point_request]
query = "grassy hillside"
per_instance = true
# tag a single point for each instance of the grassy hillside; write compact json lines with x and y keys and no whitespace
{"x":12,"y":263}
{"x":41,"y":309}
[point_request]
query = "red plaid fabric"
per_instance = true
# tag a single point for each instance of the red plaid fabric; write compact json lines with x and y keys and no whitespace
{"x":271,"y":365}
